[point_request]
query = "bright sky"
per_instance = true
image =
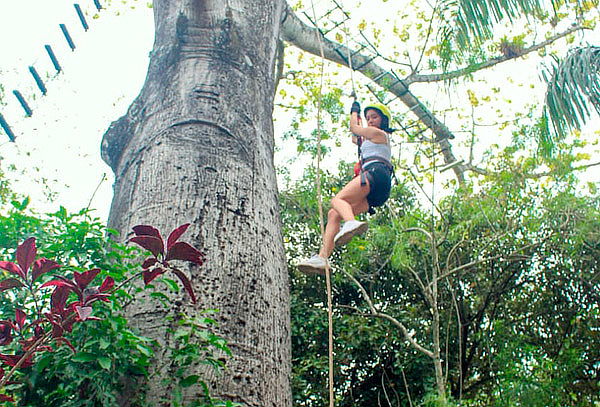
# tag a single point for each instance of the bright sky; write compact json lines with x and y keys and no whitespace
{"x":60,"y":143}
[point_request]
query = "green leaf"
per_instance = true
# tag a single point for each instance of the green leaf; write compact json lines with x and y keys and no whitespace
{"x":159,"y":295}
{"x":189,"y":381}
{"x":84,"y":357}
{"x":105,"y":362}
{"x":144,"y":350}
{"x":171,"y":284}
{"x":104,"y":343}
{"x":43,"y":362}
{"x":573,"y":93}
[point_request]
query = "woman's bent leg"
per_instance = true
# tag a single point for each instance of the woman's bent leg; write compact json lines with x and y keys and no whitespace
{"x":331,"y":229}
{"x":351,"y":200}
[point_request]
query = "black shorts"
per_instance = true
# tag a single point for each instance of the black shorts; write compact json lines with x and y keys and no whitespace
{"x":380,"y":183}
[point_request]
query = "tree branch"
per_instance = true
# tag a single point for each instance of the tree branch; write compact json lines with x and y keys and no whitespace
{"x":426,"y":292}
{"x":412,"y":78}
{"x":512,"y":254}
{"x":481,"y":171}
{"x":302,"y":36}
{"x":377,"y":314}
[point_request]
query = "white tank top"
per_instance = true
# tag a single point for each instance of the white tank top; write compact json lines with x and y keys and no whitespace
{"x":369,"y":149}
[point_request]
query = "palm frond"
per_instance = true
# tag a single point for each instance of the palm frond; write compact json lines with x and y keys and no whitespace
{"x":476,"y":19}
{"x":573,"y":90}
{"x":467,"y":23}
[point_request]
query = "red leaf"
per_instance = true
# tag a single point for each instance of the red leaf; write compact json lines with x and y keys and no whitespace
{"x":61,"y":282}
{"x":26,"y":254}
{"x":83,"y":312}
{"x":4,"y":397}
{"x":66,"y":342}
{"x":176,"y":234}
{"x":83,"y":279}
{"x":10,"y":283}
{"x":20,"y":318}
{"x":68,"y":324}
{"x":153,"y":244}
{"x":12,"y":360}
{"x":38,"y":330}
{"x":149,"y":262}
{"x":107,"y":284}
{"x":6,"y":328}
{"x":59,"y":298}
{"x":13,"y":268}
{"x":146,"y":230}
{"x":186,"y":283}
{"x":150,"y":275}
{"x":57,"y":330}
{"x":183,"y":251}
{"x":42,"y":266}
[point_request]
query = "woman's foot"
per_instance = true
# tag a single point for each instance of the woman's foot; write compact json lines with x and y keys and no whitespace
{"x":313,"y":265}
{"x":348,"y":230}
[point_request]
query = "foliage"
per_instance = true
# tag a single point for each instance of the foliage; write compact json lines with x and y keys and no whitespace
{"x":57,"y":378}
{"x":517,"y":267}
{"x":150,"y":239}
{"x":195,"y":344}
{"x":474,"y":21}
{"x":108,"y":350}
{"x":573,"y":92}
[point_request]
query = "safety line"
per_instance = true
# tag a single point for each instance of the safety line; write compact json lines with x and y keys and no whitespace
{"x":321,"y":223}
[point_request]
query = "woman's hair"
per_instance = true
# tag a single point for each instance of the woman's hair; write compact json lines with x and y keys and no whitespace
{"x":384,"y":123}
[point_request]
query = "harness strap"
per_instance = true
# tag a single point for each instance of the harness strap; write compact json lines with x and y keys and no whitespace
{"x":363,"y":180}
{"x":378,"y":159}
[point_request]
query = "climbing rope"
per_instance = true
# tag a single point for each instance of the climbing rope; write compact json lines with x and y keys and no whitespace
{"x":321,"y":223}
{"x":347,"y":35}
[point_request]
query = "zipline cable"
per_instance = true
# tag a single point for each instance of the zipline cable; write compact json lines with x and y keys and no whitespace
{"x":321,"y":223}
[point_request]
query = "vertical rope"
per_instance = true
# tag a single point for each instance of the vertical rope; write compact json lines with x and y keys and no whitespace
{"x":353,"y":94}
{"x":321,"y":223}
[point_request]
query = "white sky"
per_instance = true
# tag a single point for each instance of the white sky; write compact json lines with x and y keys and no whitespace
{"x":61,"y":141}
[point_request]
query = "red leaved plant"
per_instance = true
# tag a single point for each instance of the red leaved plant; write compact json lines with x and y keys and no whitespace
{"x":150,"y":239}
{"x":46,"y":326}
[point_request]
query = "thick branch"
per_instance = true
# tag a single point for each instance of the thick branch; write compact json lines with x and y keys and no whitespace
{"x":302,"y":36}
{"x":537,"y":175}
{"x":490,"y":62}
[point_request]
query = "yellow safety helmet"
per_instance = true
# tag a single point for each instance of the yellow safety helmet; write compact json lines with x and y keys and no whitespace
{"x":381,"y":109}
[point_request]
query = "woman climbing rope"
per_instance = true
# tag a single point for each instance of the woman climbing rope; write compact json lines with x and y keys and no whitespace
{"x":369,"y":189}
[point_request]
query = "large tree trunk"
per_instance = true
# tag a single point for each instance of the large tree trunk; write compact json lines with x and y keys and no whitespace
{"x":197,"y":146}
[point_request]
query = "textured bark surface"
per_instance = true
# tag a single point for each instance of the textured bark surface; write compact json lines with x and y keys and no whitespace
{"x":197,"y":146}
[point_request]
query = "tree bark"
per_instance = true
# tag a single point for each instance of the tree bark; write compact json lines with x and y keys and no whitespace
{"x":197,"y":146}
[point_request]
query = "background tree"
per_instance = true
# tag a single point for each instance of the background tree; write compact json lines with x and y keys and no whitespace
{"x":514,"y":303}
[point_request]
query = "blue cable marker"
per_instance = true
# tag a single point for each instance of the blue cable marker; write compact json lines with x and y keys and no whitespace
{"x":23,"y":103}
{"x":81,"y":16}
{"x":38,"y":80}
{"x":53,"y":58}
{"x":67,"y":36}
{"x":98,"y":5}
{"x":7,"y":130}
